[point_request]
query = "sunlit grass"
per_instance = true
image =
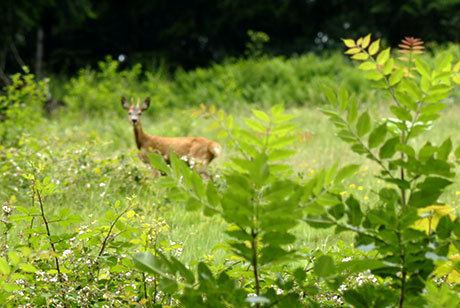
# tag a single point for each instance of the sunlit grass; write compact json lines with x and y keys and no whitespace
{"x":110,"y":141}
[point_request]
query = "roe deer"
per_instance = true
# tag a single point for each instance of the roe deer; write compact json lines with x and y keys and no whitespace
{"x":194,"y":150}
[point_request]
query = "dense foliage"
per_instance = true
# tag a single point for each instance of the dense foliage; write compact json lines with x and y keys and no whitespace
{"x":107,"y":244}
{"x":262,"y":81}
{"x":57,"y":36}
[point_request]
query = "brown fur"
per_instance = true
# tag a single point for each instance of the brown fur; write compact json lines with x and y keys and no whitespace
{"x":194,"y":150}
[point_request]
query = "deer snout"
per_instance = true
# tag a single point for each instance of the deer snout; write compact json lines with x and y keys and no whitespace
{"x":134,"y":121}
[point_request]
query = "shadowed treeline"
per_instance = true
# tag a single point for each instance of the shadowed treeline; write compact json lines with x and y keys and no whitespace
{"x":62,"y":36}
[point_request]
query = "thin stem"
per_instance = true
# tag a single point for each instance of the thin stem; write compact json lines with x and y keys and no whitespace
{"x":403,"y":278}
{"x":31,"y":222}
{"x":254,"y":262}
{"x":403,"y":191}
{"x":145,"y":286}
{"x":45,"y":221}
{"x":368,"y":150}
{"x":48,"y":232}
{"x":106,"y":239}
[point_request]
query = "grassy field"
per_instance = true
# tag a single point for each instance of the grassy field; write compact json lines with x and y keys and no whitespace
{"x":93,"y":161}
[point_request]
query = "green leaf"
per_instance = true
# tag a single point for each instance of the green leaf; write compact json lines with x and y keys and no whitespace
{"x":259,"y":170}
{"x":426,"y":152}
{"x":261,"y":115}
{"x":256,"y":125}
{"x":352,"y":111}
{"x":27,"y":267}
{"x":383,"y":56}
{"x":444,"y":62}
{"x":434,"y":183}
{"x":229,"y":122}
{"x":425,"y":84}
{"x":445,"y":149}
{"x":212,"y":195}
{"x":182,"y":269}
{"x":396,"y":76}
{"x":4,"y":266}
{"x":324,"y":266}
{"x":437,"y":96}
{"x":120,"y":225}
{"x":360,"y":56}
{"x":374,"y":75}
{"x":377,"y":136}
{"x":457,"y":152}
{"x":423,"y":198}
{"x":330,"y":94}
{"x":14,"y":257}
{"x":389,"y":148}
{"x":198,"y":185}
{"x":367,"y":66}
{"x":349,"y":43}
{"x":388,"y":66}
{"x":281,"y":142}
{"x":364,"y":124}
{"x":406,"y":100}
{"x":411,"y":88}
{"x":280,"y":154}
{"x":346,"y":136}
{"x":343,"y":98}
{"x":277,"y":110}
{"x":433,"y":108}
{"x":422,"y":68}
{"x":192,"y":204}
{"x":366,"y":41}
{"x":401,"y":113}
{"x":148,"y":263}
{"x":346,"y":172}
{"x":357,"y":266}
{"x":278,"y":238}
{"x":166,"y":181}
{"x":359,"y":148}
{"x":354,"y":211}
{"x":168,"y":285}
{"x":221,"y":115}
{"x":374,"y":48}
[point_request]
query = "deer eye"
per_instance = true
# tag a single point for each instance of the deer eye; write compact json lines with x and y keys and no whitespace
{"x":130,"y":113}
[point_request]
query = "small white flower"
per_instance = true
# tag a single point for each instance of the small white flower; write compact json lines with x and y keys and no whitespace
{"x":101,"y":184}
{"x":6,"y":209}
{"x":67,"y":252}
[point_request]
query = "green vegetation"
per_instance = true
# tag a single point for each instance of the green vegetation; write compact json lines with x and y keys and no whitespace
{"x":292,"y":218}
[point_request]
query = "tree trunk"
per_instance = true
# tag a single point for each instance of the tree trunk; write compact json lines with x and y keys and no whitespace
{"x":39,"y":55}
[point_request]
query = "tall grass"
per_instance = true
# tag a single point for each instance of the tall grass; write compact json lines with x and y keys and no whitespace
{"x":93,"y":159}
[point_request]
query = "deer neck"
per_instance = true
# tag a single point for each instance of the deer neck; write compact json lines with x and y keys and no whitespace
{"x":139,"y":135}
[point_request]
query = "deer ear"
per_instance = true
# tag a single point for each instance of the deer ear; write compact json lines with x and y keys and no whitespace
{"x":124,"y":103}
{"x":145,"y":104}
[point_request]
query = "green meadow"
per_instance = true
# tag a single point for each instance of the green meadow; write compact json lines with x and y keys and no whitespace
{"x":77,"y":166}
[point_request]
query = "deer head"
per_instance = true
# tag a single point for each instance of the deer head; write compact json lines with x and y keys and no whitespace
{"x":135,"y":110}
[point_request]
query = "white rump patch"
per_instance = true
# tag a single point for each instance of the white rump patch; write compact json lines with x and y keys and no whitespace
{"x":217,"y":150}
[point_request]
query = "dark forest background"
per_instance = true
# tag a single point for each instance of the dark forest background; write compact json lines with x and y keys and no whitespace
{"x":53,"y":36}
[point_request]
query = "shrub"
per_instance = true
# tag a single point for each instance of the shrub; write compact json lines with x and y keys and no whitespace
{"x":21,"y":106}
{"x":99,"y":92}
